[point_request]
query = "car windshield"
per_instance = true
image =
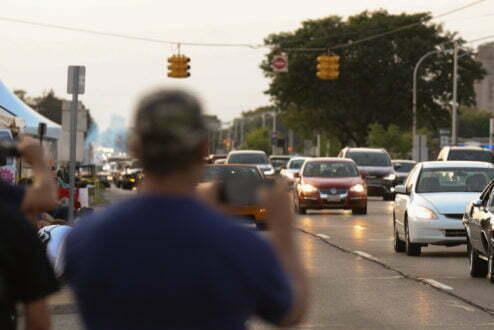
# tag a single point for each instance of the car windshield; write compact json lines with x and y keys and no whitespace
{"x":403,"y":167}
{"x":296,"y":164}
{"x":279,"y":162}
{"x":470,"y":154}
{"x":245,"y":158}
{"x":436,"y":180}
{"x":378,"y":159}
{"x":330,"y":169}
{"x":214,"y":173}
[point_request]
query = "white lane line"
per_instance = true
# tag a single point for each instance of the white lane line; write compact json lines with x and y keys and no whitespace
{"x":396,"y":277}
{"x":322,"y":236}
{"x":456,"y":304}
{"x":366,"y":255}
{"x":436,"y":284}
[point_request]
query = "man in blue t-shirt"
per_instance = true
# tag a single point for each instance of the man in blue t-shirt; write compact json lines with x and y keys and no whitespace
{"x":165,"y":259}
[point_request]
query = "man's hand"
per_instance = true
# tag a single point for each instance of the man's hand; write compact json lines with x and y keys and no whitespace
{"x":31,"y":150}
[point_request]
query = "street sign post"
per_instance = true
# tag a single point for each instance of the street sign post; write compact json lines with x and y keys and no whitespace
{"x":491,"y":132}
{"x":420,"y":151}
{"x":76,"y":84}
{"x":280,"y":63}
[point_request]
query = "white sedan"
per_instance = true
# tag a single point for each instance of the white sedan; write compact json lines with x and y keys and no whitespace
{"x":429,"y":207}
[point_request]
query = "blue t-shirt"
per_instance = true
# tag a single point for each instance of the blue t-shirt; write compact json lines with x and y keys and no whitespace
{"x":156,"y":262}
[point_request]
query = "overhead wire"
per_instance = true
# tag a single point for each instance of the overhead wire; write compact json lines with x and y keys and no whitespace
{"x":243,"y":45}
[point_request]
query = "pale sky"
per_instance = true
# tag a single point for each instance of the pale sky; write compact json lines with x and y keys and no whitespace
{"x":228,"y":80}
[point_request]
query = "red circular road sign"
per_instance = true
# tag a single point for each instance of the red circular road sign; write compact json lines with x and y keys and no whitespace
{"x":280,"y":63}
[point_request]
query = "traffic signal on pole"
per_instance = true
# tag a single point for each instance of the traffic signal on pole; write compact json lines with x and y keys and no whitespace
{"x":328,"y":67}
{"x":178,"y":66}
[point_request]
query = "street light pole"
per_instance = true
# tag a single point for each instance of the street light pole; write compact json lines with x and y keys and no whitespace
{"x":454,"y":124}
{"x":414,"y":110}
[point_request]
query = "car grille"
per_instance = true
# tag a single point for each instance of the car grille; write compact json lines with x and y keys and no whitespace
{"x":458,"y":216}
{"x":329,"y":192}
{"x":456,"y":233}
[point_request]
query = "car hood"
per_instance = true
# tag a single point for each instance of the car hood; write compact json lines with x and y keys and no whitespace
{"x":333,"y":182}
{"x":447,"y":203}
{"x":376,"y":170}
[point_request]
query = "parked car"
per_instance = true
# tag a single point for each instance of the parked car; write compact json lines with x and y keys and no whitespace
{"x":293,"y":167}
{"x":244,"y":202}
{"x":251,"y":157}
{"x":211,"y":159}
{"x":479,"y":224}
{"x":279,"y":162}
{"x":466,"y":153}
{"x":402,"y":169}
{"x":330,"y":183}
{"x":376,"y":166}
{"x":429,"y":207}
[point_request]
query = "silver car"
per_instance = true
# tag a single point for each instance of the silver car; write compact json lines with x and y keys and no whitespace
{"x":429,"y":207}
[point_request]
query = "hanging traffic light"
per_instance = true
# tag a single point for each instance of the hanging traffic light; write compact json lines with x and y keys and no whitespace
{"x":328,"y":67}
{"x":178,"y":66}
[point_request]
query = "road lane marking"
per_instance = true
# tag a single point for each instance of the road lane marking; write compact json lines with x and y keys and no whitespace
{"x":436,"y":284}
{"x":456,"y":304}
{"x":367,"y":256}
{"x":322,"y":236}
{"x":395,"y":277}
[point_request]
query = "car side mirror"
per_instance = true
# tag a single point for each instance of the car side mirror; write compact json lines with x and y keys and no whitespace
{"x":364,"y":174}
{"x":401,"y":189}
{"x":477,"y":203}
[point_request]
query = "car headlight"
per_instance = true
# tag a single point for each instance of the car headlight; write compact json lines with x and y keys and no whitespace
{"x":423,"y":213}
{"x":308,"y":188}
{"x":132,"y":180}
{"x":390,"y":177}
{"x":358,"y":188}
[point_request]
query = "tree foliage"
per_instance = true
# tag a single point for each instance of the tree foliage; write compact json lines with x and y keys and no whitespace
{"x":392,"y":139}
{"x":258,"y":139}
{"x":375,"y":83}
{"x":473,"y":122}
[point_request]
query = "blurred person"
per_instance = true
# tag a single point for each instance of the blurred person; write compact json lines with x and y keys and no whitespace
{"x":25,"y":273}
{"x":165,"y":259}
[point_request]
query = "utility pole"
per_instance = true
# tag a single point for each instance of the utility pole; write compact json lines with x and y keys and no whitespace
{"x":242,"y":131}
{"x":275,"y":134}
{"x":454,"y":125}
{"x":75,"y":86}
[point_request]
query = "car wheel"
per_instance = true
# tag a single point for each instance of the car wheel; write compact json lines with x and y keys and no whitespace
{"x":359,"y":210}
{"x":262,"y":225}
{"x":412,"y":249}
{"x":399,"y":245}
{"x":477,"y":266}
{"x":389,"y":197}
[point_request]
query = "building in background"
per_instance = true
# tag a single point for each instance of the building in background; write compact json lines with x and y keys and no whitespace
{"x":484,"y":89}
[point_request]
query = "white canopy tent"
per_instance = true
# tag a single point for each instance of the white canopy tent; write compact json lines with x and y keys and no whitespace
{"x":11,"y":104}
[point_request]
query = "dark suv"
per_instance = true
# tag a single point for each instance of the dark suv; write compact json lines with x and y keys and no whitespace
{"x":479,"y":224}
{"x":375,"y":165}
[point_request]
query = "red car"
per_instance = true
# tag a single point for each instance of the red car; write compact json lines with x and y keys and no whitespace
{"x":330,"y":183}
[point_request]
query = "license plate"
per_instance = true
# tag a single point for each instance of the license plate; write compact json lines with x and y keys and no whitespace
{"x":331,"y":198}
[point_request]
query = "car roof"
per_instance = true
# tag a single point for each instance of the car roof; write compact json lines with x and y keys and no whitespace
{"x":403,"y":161}
{"x":330,"y":159}
{"x":280,"y":156}
{"x":230,"y":165}
{"x":300,"y":157}
{"x":367,"y":149}
{"x":466,"y":148}
{"x":246,"y":152}
{"x":454,"y":164}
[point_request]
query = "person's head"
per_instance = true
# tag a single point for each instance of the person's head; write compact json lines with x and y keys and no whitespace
{"x":169,"y":134}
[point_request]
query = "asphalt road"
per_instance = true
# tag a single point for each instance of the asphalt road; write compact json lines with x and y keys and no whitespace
{"x":358,"y":281}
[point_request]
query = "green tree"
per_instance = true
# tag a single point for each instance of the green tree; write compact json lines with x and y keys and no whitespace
{"x":375,"y":83}
{"x":397,"y":143}
{"x":473,"y":122}
{"x":258,"y":139}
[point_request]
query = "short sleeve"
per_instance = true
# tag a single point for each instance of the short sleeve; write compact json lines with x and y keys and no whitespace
{"x":10,"y":194}
{"x":33,"y":276}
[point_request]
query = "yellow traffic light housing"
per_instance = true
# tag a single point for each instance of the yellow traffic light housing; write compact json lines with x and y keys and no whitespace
{"x":178,"y":66}
{"x":328,"y":67}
